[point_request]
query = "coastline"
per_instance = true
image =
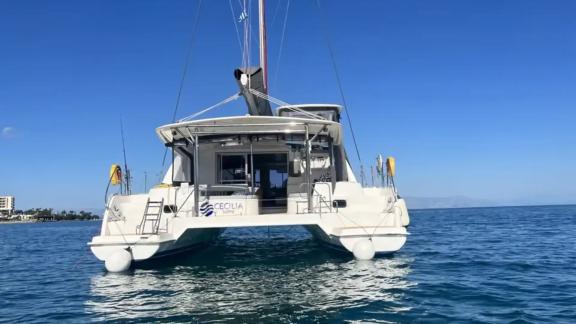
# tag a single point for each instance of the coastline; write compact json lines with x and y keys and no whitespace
{"x":67,"y":220}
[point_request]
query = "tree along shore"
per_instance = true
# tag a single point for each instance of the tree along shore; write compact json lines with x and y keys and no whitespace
{"x":47,"y":215}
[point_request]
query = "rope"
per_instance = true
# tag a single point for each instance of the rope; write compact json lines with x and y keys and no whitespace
{"x":268,"y":97}
{"x":257,"y":94}
{"x":339,"y":82}
{"x":221,"y":103}
{"x":184,"y":71}
{"x":281,"y":43}
{"x":235,"y":25}
{"x":246,"y":50}
{"x":187,"y":61}
{"x":112,"y":211}
{"x":279,"y":102}
{"x":182,"y":205}
{"x":276,"y":10}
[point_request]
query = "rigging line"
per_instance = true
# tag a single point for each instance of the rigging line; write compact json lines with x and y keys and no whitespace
{"x":281,"y":43}
{"x":223,"y":102}
{"x":276,"y":10}
{"x":245,"y":49}
{"x":187,"y":61}
{"x":338,"y":81}
{"x":235,"y":25}
{"x":185,"y":70}
{"x":111,"y":210}
{"x":268,"y":98}
{"x":283,"y":104}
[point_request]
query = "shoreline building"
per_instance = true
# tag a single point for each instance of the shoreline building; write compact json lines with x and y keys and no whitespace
{"x":7,"y":205}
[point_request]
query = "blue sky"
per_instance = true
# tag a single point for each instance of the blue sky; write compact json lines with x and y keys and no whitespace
{"x":473,"y":98}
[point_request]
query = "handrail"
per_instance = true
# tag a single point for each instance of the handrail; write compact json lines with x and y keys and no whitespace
{"x":291,"y":125}
{"x":318,"y":194}
{"x":329,"y":190}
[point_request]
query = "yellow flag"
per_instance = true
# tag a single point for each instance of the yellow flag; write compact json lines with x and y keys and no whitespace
{"x":390,"y":166}
{"x":115,"y":174}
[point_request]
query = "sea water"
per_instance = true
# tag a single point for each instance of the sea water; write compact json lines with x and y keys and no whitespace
{"x":459,"y":265}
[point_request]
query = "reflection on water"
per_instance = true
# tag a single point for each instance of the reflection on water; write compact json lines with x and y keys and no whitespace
{"x":252,"y":274}
{"x":490,"y":265}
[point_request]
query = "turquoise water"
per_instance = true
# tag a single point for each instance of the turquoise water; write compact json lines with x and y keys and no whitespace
{"x":459,"y":265}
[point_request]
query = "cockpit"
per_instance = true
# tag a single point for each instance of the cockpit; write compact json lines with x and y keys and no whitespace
{"x":272,"y":159}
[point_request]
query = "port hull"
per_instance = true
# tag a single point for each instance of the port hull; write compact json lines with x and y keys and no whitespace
{"x":149,"y":247}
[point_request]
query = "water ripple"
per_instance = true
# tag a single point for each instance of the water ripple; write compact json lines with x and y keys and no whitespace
{"x":460,"y":265}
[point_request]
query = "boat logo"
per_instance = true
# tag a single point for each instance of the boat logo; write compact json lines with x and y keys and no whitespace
{"x":206,"y":208}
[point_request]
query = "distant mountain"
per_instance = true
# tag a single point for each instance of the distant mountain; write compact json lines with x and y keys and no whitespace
{"x":447,"y":202}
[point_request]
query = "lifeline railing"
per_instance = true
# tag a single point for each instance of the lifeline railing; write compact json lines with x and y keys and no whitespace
{"x":322,"y":201}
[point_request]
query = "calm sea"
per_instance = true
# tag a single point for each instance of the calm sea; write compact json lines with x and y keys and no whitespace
{"x":459,"y":265}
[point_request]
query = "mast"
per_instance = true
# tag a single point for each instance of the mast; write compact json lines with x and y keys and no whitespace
{"x":263,"y":44}
{"x":253,"y":81}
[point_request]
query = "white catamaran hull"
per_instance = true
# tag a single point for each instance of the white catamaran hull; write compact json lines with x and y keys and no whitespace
{"x":145,"y":247}
{"x":148,"y":247}
{"x":340,"y":229}
{"x":384,"y":241}
{"x":283,"y":168}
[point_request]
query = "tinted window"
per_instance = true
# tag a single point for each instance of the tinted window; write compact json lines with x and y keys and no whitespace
{"x":232,"y":169}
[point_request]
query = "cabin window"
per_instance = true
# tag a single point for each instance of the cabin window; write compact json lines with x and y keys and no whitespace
{"x":328,"y":113}
{"x":182,"y":166}
{"x":169,"y":209}
{"x":339,"y":203}
{"x":233,"y":168}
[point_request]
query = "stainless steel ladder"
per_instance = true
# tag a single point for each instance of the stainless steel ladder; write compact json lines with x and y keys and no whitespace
{"x":152,"y":214}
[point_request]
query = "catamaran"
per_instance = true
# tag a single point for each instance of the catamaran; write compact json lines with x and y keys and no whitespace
{"x":282,"y":168}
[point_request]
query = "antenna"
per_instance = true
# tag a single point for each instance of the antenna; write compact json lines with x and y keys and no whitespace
{"x":126,"y":171}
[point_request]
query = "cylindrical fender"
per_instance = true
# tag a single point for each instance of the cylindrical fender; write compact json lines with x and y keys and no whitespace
{"x":400,"y":208}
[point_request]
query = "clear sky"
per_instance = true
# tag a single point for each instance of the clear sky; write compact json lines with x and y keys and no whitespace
{"x":473,"y":98}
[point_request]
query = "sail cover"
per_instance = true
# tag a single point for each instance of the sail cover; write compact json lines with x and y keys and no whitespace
{"x":254,"y":79}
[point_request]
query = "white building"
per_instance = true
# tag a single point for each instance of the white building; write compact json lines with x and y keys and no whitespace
{"x":7,"y":204}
